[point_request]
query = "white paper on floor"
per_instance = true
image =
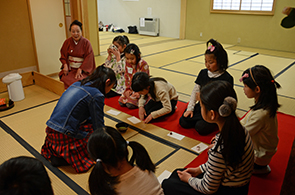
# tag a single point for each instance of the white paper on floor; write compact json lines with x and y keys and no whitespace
{"x":164,"y":175}
{"x":113,"y":112}
{"x":200,"y":147}
{"x":134,"y":120}
{"x":176,"y":135}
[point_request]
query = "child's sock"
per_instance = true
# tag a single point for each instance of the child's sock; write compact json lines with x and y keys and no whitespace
{"x":258,"y":169}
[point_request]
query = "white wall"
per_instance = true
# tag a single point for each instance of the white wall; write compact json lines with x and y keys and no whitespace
{"x":125,"y":13}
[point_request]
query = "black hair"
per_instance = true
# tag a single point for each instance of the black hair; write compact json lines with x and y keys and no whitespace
{"x":133,"y":49}
{"x":24,"y":176}
{"x":268,"y":99}
{"x":76,"y":22}
{"x":232,"y":136}
{"x":99,"y":77}
{"x":142,"y":80}
{"x":219,"y":53}
{"x":121,"y":40}
{"x":108,"y":145}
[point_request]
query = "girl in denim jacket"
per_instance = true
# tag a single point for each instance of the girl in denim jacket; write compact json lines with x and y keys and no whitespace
{"x":78,"y":112}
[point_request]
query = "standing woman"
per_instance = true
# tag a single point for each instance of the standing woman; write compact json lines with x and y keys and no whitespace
{"x":78,"y":112}
{"x":77,"y":56}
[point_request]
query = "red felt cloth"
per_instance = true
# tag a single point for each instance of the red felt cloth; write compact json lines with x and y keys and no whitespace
{"x":171,"y":122}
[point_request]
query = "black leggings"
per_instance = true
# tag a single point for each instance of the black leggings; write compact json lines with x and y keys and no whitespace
{"x":173,"y":185}
{"x":197,"y":122}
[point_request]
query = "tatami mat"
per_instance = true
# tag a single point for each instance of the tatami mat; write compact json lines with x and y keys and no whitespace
{"x":10,"y":148}
{"x":178,"y":160}
{"x":179,"y":62}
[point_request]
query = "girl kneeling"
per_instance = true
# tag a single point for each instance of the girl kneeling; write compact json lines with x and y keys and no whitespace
{"x":163,"y":96}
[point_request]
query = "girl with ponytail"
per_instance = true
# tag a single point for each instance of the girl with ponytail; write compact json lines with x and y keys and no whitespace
{"x":230,"y":162}
{"x":113,"y":172}
{"x":261,"y":120}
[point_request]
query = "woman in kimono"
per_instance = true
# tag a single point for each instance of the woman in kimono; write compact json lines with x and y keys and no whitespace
{"x":77,"y":56}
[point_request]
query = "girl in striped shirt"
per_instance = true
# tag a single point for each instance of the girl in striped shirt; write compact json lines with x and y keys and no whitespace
{"x":230,"y":162}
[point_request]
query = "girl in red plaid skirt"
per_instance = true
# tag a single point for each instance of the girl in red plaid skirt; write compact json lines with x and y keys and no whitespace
{"x":77,"y":114}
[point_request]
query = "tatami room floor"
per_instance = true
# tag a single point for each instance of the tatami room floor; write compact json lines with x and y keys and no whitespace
{"x":178,"y":61}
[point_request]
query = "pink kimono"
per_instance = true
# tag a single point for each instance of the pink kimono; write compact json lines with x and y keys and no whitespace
{"x":142,"y":66}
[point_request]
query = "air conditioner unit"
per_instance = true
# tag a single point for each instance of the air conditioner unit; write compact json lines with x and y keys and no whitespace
{"x":149,"y":26}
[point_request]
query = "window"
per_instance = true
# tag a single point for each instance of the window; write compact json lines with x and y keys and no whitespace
{"x":262,"y":7}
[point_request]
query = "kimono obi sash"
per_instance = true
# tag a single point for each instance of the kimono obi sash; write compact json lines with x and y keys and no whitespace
{"x":75,"y":62}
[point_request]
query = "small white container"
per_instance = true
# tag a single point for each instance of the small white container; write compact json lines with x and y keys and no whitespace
{"x":14,"y":86}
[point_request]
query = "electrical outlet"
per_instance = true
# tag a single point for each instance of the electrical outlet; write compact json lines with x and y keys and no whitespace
{"x":201,"y":34}
{"x":239,"y":40}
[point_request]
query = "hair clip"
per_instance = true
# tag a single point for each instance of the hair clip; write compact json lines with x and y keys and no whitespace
{"x":211,"y":48}
{"x":246,"y":75}
{"x":98,"y":160}
{"x":132,"y":51}
{"x":272,"y":81}
{"x":127,"y":142}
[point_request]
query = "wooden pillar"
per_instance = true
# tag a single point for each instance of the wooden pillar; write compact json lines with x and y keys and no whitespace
{"x":86,"y":12}
{"x":182,"y":19}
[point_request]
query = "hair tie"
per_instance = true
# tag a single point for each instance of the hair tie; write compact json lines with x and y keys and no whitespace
{"x":253,"y":77}
{"x":211,"y":48}
{"x":229,"y":105}
{"x":127,"y":142}
{"x":246,"y":75}
{"x":98,"y":160}
{"x":272,"y":81}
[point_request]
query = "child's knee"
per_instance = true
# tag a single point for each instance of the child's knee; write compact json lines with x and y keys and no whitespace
{"x":183,"y":123}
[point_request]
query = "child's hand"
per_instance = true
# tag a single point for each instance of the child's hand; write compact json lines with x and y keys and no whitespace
{"x":116,"y":52}
{"x":213,"y":140}
{"x":141,"y":113}
{"x":109,"y":51}
{"x":188,"y":113}
{"x":212,"y":143}
{"x":148,"y":119}
{"x":127,"y":93}
{"x":184,"y":176}
{"x":194,"y":172}
{"x":210,"y":146}
{"x":135,"y":95}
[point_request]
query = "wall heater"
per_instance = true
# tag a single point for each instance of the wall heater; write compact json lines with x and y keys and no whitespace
{"x":149,"y":26}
